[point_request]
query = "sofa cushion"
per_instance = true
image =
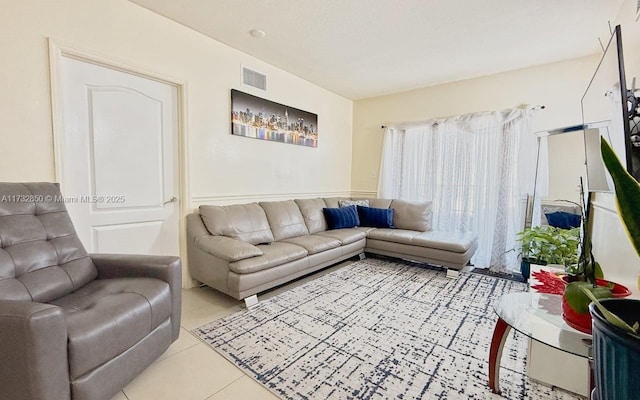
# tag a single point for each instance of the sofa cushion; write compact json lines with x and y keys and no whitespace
{"x":273,"y":254}
{"x":314,"y":243}
{"x":311,"y":210}
{"x":365,"y":229}
{"x":412,"y":216}
{"x":108,"y":316}
{"x":333,"y":202}
{"x":427,"y":254}
{"x":380,"y":203}
{"x":342,"y":217}
{"x":393,"y":235}
{"x":347,"y":203}
{"x":458,"y":242}
{"x":246,"y":222}
{"x":285,"y":219}
{"x":376,"y":217}
{"x":345,"y":236}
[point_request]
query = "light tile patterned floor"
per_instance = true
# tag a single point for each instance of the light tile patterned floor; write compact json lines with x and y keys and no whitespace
{"x":191,"y":370}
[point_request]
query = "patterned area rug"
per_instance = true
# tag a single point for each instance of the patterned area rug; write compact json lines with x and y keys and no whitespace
{"x":378,"y":330}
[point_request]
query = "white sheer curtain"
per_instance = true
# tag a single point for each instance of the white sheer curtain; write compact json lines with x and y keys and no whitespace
{"x":469,"y":167}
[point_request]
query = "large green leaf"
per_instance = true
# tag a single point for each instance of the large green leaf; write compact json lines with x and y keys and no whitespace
{"x":578,"y":300}
{"x":599,"y":273}
{"x":627,"y":193}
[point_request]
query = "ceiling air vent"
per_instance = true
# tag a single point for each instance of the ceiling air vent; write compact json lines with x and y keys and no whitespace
{"x":254,"y":79}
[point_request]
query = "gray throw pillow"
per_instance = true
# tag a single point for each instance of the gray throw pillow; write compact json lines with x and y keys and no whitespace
{"x":347,"y":203}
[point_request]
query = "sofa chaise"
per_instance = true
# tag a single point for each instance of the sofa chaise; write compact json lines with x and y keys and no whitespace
{"x":244,"y":249}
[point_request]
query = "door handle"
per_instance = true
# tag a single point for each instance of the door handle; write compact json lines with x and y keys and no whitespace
{"x":173,"y":199}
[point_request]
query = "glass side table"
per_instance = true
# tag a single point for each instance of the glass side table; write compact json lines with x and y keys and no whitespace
{"x":538,"y":316}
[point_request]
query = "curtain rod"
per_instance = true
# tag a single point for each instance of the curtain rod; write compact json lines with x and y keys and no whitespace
{"x":574,"y":128}
{"x":540,"y":107}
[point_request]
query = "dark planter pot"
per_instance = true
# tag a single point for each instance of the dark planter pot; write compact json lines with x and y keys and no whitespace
{"x":616,"y":353}
{"x":525,"y":270}
{"x":525,"y":267}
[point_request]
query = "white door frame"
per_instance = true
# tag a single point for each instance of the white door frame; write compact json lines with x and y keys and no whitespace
{"x":56,"y":52}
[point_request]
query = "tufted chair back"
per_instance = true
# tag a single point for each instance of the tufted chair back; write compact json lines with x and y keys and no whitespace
{"x":41,"y":257}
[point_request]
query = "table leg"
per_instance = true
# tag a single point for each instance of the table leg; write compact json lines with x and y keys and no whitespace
{"x":500,"y":333}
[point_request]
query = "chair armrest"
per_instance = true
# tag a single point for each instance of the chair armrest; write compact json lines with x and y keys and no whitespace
{"x":165,"y":268}
{"x":227,"y":248}
{"x":33,"y":351}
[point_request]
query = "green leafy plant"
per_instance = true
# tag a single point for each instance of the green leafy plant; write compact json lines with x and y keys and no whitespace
{"x":628,"y":203}
{"x":627,"y":194}
{"x":549,"y":245}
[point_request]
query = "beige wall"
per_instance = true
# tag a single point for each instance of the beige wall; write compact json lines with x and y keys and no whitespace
{"x":222,"y":168}
{"x":219,"y":168}
{"x":557,"y":86}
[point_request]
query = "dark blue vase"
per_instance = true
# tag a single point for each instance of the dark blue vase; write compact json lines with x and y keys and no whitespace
{"x":616,"y":353}
{"x":525,"y":270}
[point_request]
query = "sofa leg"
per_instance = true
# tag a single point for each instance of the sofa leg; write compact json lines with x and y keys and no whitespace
{"x":452,"y":273}
{"x":251,"y":301}
{"x":362,"y":256}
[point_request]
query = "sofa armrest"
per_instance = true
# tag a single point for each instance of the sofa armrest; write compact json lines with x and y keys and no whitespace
{"x":227,"y":248}
{"x":33,"y":351}
{"x":165,"y":268}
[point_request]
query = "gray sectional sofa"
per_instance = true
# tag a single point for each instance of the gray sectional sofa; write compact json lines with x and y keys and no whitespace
{"x":244,"y":249}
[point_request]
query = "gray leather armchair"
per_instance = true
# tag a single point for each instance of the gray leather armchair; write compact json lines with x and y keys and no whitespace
{"x":74,"y":325}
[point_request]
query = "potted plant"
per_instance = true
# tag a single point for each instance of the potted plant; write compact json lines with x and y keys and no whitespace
{"x":616,"y":337}
{"x":586,"y":275}
{"x":544,"y":245}
{"x":564,"y":246}
{"x":532,"y":248}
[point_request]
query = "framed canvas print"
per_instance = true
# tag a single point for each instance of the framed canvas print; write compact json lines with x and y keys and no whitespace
{"x":257,"y":118}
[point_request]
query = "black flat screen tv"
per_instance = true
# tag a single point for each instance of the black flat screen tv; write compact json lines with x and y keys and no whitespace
{"x":605,"y":113}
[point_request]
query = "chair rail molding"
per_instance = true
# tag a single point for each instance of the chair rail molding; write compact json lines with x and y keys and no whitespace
{"x":371,"y":194}
{"x":227,"y":199}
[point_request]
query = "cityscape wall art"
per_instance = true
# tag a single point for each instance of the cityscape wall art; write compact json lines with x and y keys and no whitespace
{"x":258,"y":118}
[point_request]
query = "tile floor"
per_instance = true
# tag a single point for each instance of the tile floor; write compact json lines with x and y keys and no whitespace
{"x":191,"y":370}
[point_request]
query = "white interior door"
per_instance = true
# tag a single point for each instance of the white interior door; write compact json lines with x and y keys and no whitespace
{"x":120,"y":159}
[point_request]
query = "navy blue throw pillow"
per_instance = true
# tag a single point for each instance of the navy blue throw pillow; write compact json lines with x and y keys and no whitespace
{"x":563,"y":220}
{"x":376,"y":217}
{"x":343,"y":217}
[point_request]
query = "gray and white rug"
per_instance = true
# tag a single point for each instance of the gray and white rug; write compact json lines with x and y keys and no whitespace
{"x":378,"y":330}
